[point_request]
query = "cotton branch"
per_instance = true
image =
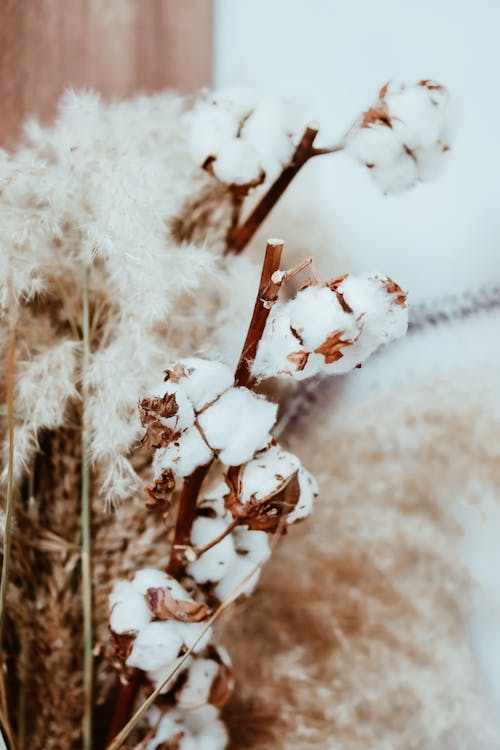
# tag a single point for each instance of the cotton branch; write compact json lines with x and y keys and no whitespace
{"x":266,"y":296}
{"x":239,"y":237}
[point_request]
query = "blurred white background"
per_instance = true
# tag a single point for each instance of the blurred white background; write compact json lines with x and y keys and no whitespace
{"x":333,"y":56}
{"x":440,"y":237}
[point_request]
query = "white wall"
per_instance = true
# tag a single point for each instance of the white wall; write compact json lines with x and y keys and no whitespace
{"x":334,"y":56}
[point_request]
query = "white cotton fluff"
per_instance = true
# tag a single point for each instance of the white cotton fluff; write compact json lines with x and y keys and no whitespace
{"x":238,"y":424}
{"x":196,"y":690}
{"x":157,"y":644}
{"x":238,"y":163}
{"x":213,"y":564}
{"x":265,"y":473}
{"x":209,"y":128}
{"x":315,"y":313}
{"x":409,"y":140}
{"x":253,"y":545}
{"x":173,"y":725}
{"x":375,"y":145}
{"x":162,"y":675}
{"x":191,"y":631}
{"x":199,"y":729}
{"x":279,"y":351}
{"x":183,"y":455}
{"x":267,"y":129}
{"x":203,"y":381}
{"x":242,"y":578}
{"x":247,"y":139}
{"x":367,"y":294}
{"x":396,"y":177}
{"x":150,"y":578}
{"x":308,"y":492}
{"x":129,"y":610}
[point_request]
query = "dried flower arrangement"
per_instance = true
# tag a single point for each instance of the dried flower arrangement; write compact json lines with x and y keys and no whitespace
{"x":122,"y":234}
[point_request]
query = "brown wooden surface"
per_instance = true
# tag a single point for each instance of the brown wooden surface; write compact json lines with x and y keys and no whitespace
{"x":118,"y":47}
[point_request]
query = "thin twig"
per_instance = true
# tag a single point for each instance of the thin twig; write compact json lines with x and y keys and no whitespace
{"x":201,"y":550}
{"x":86,"y":556}
{"x":239,"y":237}
{"x":9,"y":502}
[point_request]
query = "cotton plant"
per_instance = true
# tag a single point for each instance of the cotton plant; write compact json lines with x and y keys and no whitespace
{"x":122,"y":237}
{"x":208,"y":424}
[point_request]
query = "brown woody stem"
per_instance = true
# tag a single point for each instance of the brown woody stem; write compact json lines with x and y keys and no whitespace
{"x":266,"y":296}
{"x":239,"y":237}
{"x":185,"y":519}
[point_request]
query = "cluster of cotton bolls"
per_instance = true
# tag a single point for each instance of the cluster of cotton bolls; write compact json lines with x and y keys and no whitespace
{"x":242,"y":138}
{"x":198,"y":413}
{"x":270,"y":492}
{"x":331,"y":328}
{"x":155,"y":621}
{"x":404,"y":136}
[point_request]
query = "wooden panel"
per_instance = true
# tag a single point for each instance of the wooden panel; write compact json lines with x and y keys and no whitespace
{"x":119,"y":47}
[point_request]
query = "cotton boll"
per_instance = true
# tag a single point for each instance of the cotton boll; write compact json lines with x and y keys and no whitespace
{"x":242,"y":569}
{"x":265,"y":474}
{"x":237,"y":163}
{"x":315,"y":313}
{"x":213,"y":564}
{"x":416,"y":120}
{"x":376,"y":145}
{"x":308,"y":492}
{"x":266,"y":130}
{"x":370,"y":295}
{"x":183,"y":455}
{"x":253,"y":545}
{"x":201,"y":380}
{"x":279,"y":351}
{"x":156,"y":644}
{"x":238,"y":424}
{"x":189,"y":632}
{"x":196,"y":690}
